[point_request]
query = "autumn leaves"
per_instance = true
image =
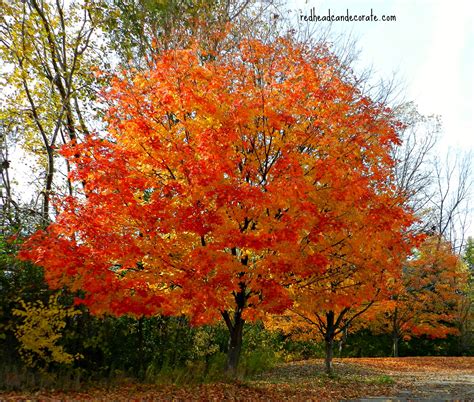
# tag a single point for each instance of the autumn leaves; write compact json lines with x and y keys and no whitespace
{"x":235,"y":186}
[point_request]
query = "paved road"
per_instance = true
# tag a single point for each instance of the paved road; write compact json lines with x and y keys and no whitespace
{"x":432,"y":387}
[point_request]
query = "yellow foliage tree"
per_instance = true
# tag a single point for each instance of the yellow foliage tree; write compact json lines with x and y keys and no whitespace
{"x":40,"y":332}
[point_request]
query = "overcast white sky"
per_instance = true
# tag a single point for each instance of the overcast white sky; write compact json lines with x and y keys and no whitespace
{"x":429,"y":48}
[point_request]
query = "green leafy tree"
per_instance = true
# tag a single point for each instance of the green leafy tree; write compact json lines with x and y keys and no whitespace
{"x":469,"y":254}
{"x":465,"y":318}
{"x":138,"y":30}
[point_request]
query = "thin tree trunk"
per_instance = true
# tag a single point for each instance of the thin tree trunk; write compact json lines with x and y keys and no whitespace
{"x":329,"y":341}
{"x":395,"y":339}
{"x":343,"y":340}
{"x":329,"y":355}
{"x":48,"y":187}
{"x":395,"y":333}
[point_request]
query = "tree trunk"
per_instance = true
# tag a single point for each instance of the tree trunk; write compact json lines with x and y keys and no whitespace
{"x":235,"y":328}
{"x":395,"y":339}
{"x":395,"y":333}
{"x":329,"y":341}
{"x":235,"y":346}
{"x":329,"y":355}
{"x":48,"y":187}
{"x":343,"y":340}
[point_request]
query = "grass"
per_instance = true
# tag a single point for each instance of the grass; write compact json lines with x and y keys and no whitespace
{"x":384,"y":379}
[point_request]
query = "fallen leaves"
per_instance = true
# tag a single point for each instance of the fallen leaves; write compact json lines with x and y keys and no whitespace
{"x":303,"y":381}
{"x":424,"y":364}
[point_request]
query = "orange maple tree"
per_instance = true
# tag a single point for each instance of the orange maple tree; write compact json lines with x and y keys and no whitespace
{"x":364,"y":255}
{"x":221,"y":180}
{"x":426,"y":298}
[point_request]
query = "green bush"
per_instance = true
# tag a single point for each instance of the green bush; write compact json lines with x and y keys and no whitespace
{"x":302,"y":350}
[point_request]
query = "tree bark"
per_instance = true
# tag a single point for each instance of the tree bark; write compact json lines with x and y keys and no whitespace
{"x":329,"y":342}
{"x":235,"y":328}
{"x":235,"y":346}
{"x":395,"y":339}
{"x":395,"y":333}
{"x":48,"y":187}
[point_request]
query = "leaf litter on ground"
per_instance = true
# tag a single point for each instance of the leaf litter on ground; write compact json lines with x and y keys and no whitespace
{"x":427,"y":377}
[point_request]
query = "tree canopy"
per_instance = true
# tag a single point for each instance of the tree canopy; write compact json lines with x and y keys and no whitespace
{"x":222,"y":180}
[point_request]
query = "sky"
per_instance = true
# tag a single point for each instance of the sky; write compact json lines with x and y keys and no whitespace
{"x":429,"y":50}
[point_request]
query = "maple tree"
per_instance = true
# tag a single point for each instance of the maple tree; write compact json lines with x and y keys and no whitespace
{"x":426,"y":299}
{"x":222,"y":180}
{"x":363,"y":259}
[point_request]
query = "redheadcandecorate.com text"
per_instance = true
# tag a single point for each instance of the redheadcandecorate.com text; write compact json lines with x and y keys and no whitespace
{"x":347,"y":17}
